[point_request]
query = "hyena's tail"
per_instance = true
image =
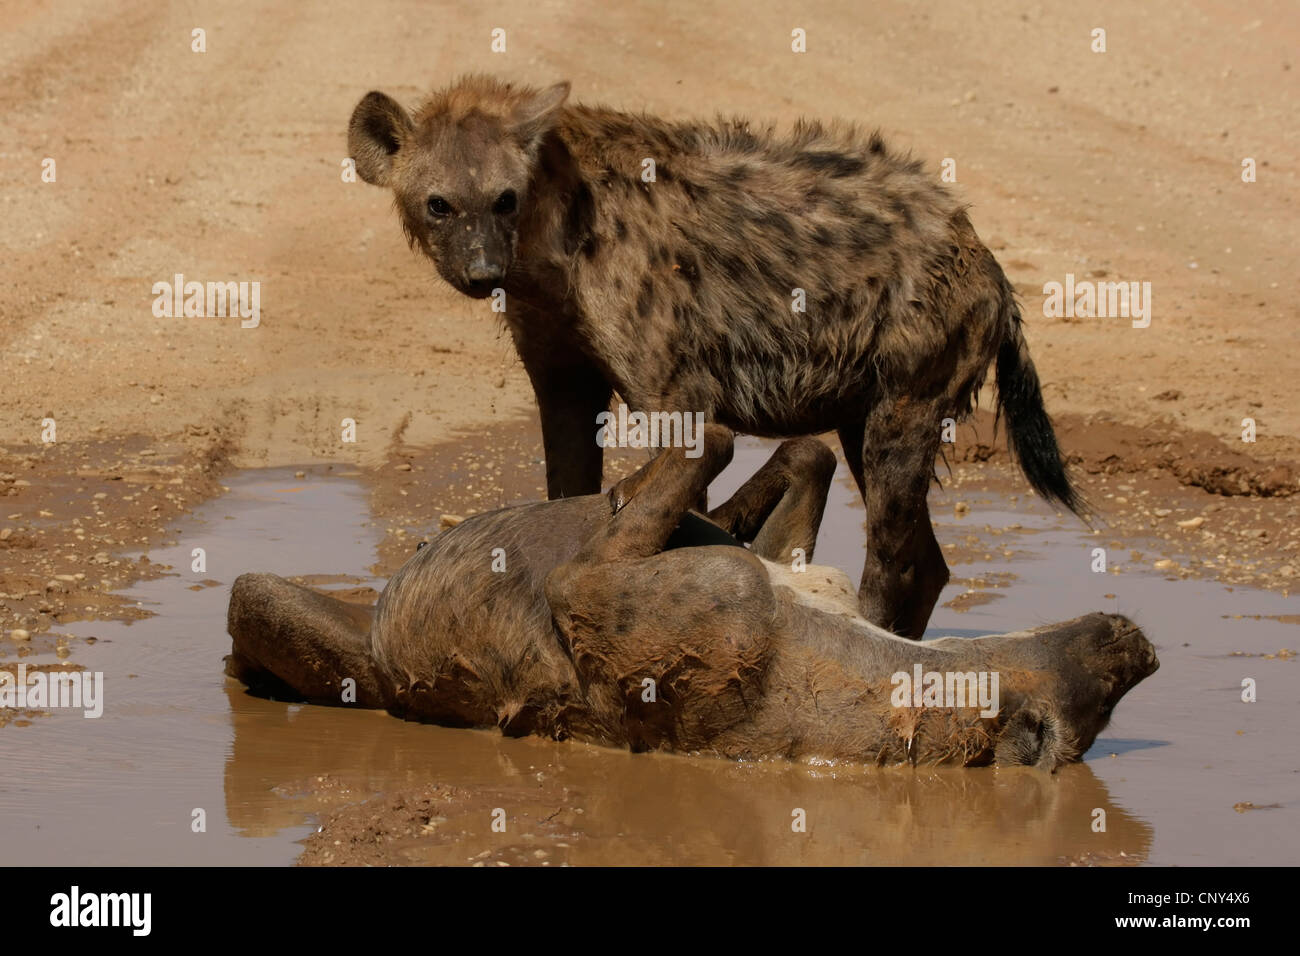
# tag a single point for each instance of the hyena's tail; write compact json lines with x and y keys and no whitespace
{"x":1029,"y":430}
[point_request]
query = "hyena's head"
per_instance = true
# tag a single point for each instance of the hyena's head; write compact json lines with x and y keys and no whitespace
{"x":459,"y":170}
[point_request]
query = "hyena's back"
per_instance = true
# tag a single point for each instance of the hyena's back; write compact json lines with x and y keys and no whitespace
{"x":695,"y":273}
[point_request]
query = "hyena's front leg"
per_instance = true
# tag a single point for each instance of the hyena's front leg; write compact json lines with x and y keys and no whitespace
{"x":569,"y":399}
{"x":570,"y":394}
{"x":780,"y":508}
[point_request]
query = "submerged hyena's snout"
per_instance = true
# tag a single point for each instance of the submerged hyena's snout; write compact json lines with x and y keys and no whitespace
{"x":1093,"y":661}
{"x":1124,"y":653}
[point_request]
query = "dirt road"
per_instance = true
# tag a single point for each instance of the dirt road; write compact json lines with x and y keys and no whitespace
{"x":226,"y":165}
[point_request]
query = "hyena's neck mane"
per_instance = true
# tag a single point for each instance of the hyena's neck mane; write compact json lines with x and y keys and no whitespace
{"x":620,"y":140}
{"x":603,"y":177}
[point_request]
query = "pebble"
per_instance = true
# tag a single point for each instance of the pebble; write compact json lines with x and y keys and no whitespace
{"x":450,"y":521}
{"x":18,"y":634}
{"x":961,"y":508}
{"x":1192,"y":522}
{"x":6,"y":534}
{"x":404,"y":466}
{"x":1164,"y":564}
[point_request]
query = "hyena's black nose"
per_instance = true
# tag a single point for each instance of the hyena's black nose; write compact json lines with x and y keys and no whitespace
{"x":481,"y":271}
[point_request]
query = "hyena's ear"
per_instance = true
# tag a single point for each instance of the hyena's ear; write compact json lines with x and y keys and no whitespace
{"x":533,"y":116}
{"x":1033,"y":738}
{"x":379,"y":124}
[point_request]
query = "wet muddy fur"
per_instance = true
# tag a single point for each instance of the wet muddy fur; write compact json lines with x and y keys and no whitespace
{"x":779,"y":284}
{"x":627,"y":620}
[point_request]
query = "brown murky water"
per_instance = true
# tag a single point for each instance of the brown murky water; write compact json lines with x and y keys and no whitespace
{"x":177,"y":736}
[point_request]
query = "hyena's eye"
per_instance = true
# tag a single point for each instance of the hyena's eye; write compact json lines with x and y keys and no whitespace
{"x":439,"y":206}
{"x":506,"y":203}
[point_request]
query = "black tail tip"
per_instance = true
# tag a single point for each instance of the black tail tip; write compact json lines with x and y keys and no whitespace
{"x":1030,"y":435}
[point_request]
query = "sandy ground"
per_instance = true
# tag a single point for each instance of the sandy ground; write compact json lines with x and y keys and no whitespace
{"x":225,"y":165}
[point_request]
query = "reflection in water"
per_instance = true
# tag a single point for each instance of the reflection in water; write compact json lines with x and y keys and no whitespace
{"x":659,"y":809}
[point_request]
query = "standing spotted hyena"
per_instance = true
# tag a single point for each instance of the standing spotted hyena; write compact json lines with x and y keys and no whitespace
{"x":781,"y":284}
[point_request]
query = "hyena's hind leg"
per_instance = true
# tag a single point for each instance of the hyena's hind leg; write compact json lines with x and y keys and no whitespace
{"x":779,"y":509}
{"x":904,"y":571}
{"x":291,"y":642}
{"x":650,"y":503}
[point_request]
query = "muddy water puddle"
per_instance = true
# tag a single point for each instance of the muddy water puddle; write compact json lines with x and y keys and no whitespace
{"x":179,"y":736}
{"x":124,"y":788}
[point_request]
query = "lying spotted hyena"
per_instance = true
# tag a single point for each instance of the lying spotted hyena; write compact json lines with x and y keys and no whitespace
{"x":780,"y":284}
{"x":625,"y":619}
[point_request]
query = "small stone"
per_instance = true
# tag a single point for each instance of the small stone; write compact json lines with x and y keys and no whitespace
{"x":1165,"y":564}
{"x":18,"y":634}
{"x":1192,"y":523}
{"x":300,"y":474}
{"x":6,"y":534}
{"x":1163,"y":512}
{"x":404,"y":466}
{"x":961,"y":508}
{"x":450,"y":521}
